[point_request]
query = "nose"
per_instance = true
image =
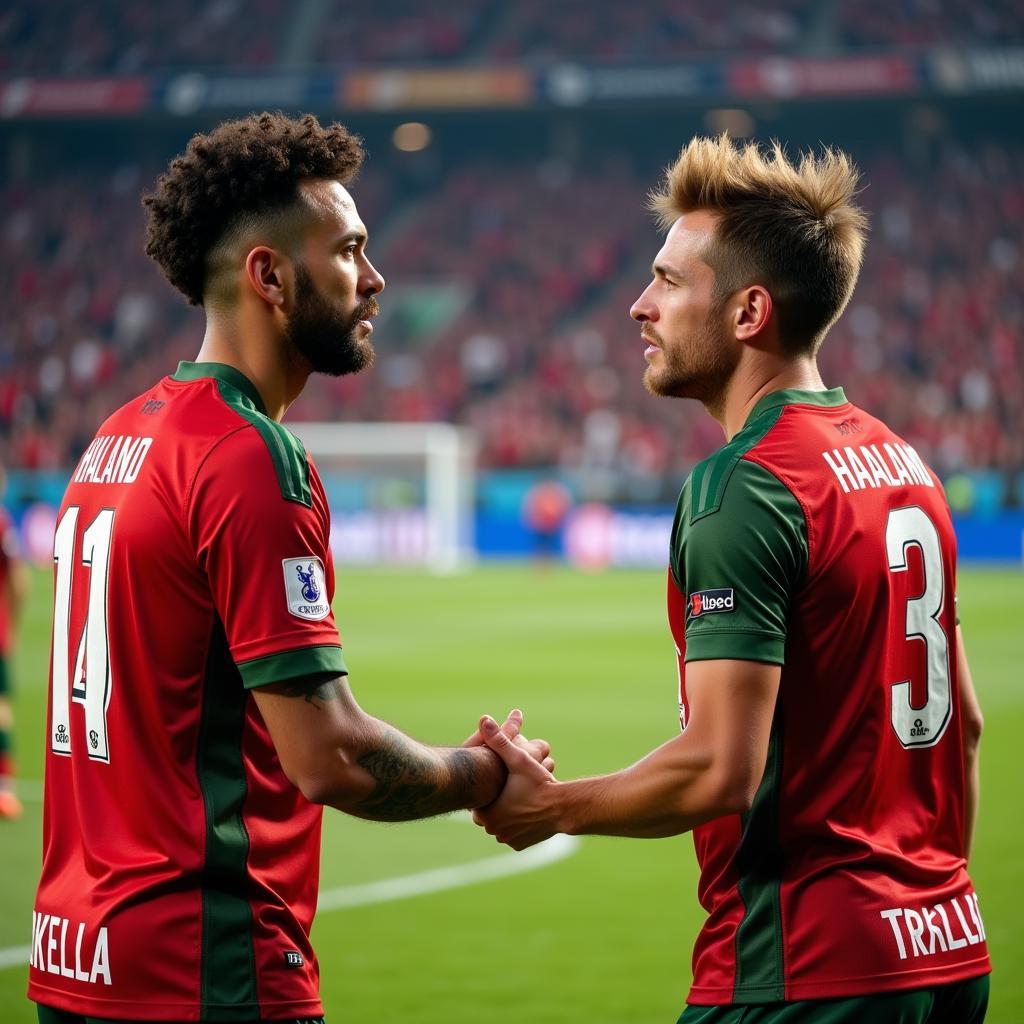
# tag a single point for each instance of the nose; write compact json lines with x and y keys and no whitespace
{"x":370,"y":281}
{"x":644,"y":309}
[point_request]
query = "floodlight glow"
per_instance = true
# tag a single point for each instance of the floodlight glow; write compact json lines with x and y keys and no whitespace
{"x":411,"y":137}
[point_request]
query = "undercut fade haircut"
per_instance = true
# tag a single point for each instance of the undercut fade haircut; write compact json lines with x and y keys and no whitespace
{"x":792,"y":227}
{"x":244,"y":169}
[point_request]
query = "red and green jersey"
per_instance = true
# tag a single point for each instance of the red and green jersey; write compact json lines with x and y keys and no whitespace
{"x":192,"y":564}
{"x":819,"y":541}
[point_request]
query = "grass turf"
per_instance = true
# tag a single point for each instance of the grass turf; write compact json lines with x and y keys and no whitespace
{"x":604,"y":935}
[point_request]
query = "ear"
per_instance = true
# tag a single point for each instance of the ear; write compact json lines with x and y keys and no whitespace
{"x":266,"y":272}
{"x":752,"y":313}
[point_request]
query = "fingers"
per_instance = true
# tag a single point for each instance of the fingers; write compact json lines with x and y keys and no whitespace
{"x":506,"y":749}
{"x":539,"y":749}
{"x":513,"y":724}
{"x":511,"y":727}
{"x":548,"y":764}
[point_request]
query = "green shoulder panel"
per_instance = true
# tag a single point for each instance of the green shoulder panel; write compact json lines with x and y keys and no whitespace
{"x":711,"y":477}
{"x":286,"y":450}
{"x":742,"y":548}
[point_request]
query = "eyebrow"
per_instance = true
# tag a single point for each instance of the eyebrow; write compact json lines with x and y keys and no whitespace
{"x":353,"y":236}
{"x":661,"y":270}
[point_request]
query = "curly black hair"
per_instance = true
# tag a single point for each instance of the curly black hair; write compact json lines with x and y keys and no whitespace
{"x":244,"y":167}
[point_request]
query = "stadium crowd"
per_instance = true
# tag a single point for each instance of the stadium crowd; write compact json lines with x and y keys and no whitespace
{"x":539,"y":356}
{"x":67,"y":37}
{"x":64,"y":37}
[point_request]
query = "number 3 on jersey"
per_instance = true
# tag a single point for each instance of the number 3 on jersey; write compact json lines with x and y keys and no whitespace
{"x":90,"y":685}
{"x":921,"y":726}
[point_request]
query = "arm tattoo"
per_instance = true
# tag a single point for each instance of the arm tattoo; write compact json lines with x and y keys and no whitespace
{"x":411,"y":785}
{"x":314,"y":688}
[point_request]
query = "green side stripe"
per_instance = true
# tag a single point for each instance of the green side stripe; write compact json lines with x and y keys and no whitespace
{"x":759,"y":950}
{"x":286,"y":450}
{"x":718,"y":468}
{"x":304,"y":661}
{"x":228,"y":971}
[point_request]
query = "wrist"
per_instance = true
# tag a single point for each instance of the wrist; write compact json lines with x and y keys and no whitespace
{"x":489,"y":775}
{"x":561,"y":809}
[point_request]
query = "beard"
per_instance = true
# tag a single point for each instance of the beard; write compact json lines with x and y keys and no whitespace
{"x":325,"y":336}
{"x":698,"y":367}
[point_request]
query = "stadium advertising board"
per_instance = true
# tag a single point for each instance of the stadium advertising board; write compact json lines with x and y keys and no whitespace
{"x":429,"y":88}
{"x":517,"y":86}
{"x":782,"y":77}
{"x":74,"y":97}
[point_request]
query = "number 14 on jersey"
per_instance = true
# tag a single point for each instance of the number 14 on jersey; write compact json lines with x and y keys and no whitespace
{"x":90,"y":685}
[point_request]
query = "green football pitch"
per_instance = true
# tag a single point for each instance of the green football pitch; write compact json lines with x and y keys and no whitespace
{"x":603,"y":931}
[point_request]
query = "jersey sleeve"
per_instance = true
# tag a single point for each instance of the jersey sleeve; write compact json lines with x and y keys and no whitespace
{"x":267,"y":559}
{"x":739,"y":566}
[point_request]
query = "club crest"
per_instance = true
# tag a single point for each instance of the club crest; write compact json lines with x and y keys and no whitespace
{"x":310,"y":591}
{"x":305,"y":588}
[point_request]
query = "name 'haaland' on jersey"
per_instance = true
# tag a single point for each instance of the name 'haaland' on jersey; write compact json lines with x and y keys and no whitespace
{"x":112,"y":459}
{"x":892,"y":465}
{"x":52,"y":937}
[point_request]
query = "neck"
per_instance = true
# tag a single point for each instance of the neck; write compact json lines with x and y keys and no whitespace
{"x":755,"y":379}
{"x":259,"y":354}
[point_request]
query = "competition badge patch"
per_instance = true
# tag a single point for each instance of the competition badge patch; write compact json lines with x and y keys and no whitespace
{"x":705,"y":602}
{"x":305,"y":588}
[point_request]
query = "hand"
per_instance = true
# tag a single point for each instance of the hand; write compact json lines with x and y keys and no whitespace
{"x":539,"y":750}
{"x":524,"y":813}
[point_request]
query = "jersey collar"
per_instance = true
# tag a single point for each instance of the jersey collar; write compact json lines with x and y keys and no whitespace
{"x":792,"y":396}
{"x":221,"y":371}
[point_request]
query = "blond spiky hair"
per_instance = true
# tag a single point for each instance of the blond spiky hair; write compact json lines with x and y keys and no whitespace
{"x":793,"y":228}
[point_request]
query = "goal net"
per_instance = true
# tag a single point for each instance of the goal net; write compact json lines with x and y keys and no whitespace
{"x":399,"y":493}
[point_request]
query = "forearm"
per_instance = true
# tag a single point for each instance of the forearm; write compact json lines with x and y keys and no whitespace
{"x":336,"y":754}
{"x":972,"y":776}
{"x":391,"y":777}
{"x":671,"y":791}
{"x":971,"y":725}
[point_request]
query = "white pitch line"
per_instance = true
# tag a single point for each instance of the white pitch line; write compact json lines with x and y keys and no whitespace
{"x":404,"y":887}
{"x":388,"y":889}
{"x":15,"y":956}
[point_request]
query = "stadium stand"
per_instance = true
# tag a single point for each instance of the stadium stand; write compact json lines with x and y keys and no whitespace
{"x":542,"y":360}
{"x":875,"y":23}
{"x":68,"y":38}
{"x":65,"y":37}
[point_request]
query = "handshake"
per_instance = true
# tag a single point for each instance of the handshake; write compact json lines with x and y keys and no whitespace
{"x":525,"y":811}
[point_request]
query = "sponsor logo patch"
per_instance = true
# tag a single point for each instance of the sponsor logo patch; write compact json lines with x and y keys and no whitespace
{"x":305,"y":587}
{"x":293,"y":958}
{"x":707,"y":602}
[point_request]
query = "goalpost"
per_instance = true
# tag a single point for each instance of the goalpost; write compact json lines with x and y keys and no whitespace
{"x":430,"y":467}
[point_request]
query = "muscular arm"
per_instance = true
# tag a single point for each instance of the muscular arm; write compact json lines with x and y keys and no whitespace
{"x":970,"y":712}
{"x":339,"y":755}
{"x":713,"y":768}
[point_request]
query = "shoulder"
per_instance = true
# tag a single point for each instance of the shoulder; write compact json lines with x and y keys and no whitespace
{"x":255,"y":439}
{"x":735,"y":508}
{"x":727,"y":478}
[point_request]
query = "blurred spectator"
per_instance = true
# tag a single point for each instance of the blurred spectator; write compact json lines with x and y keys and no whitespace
{"x":67,"y":37}
{"x":543,"y":362}
{"x":877,"y":23}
